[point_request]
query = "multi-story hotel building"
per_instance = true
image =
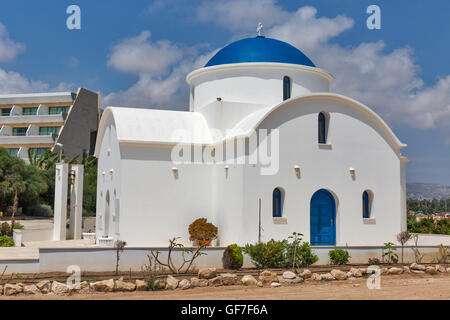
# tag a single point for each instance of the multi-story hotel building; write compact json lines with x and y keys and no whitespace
{"x":38,"y":122}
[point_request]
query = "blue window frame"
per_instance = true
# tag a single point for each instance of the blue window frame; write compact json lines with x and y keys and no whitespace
{"x":366,"y":207}
{"x":277,"y":209}
{"x":322,"y":128}
{"x":286,"y":88}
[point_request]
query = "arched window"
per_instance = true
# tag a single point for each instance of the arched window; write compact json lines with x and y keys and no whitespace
{"x":322,"y":128}
{"x":366,"y":204}
{"x":277,"y":208}
{"x":286,"y":88}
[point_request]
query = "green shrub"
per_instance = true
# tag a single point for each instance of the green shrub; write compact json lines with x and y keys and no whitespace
{"x":339,"y":256}
{"x":232,"y":257}
{"x":6,"y":241}
{"x":267,"y":255}
{"x":40,"y":210}
{"x":305,"y":255}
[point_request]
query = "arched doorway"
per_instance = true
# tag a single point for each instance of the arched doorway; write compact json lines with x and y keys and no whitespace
{"x":106,"y":230}
{"x":323,"y":218}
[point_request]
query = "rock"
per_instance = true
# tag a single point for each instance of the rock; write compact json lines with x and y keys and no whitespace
{"x":184,"y":284}
{"x":260,"y":284}
{"x":328,"y":277}
{"x":356,"y":272}
{"x":44,"y":286}
{"x":229,"y":279}
{"x":448,"y":269}
{"x":349,"y":275}
{"x":12,"y":289}
{"x":406,"y":269}
{"x":305,"y":274}
{"x":356,"y":285}
{"x":141,"y":285}
{"x":395,"y":270}
{"x":417,"y":271}
{"x":196,"y":282}
{"x":124,"y":286}
{"x":338,"y":274}
{"x":104,"y":286}
{"x":215,"y":282}
{"x":172,"y":283}
{"x":316,"y":277}
{"x":275,"y":284}
{"x":440,"y":269}
{"x":430,"y":270}
{"x":85,"y":288}
{"x":351,"y":278}
{"x":289,"y":275}
{"x":31,"y":289}
{"x":293,"y":281}
{"x":415,"y":266}
{"x":267,"y":277}
{"x":249,"y":280}
{"x":363,"y":270}
{"x":1,"y":289}
{"x":59,"y":288}
{"x":384,"y":270}
{"x":207,"y":273}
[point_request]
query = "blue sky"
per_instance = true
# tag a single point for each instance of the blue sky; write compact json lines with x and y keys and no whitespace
{"x":401,"y":71}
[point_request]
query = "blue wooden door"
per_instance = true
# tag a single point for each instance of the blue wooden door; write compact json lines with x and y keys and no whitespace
{"x":323,"y":219}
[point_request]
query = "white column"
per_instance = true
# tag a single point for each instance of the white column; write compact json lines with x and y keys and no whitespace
{"x":76,"y":201}
{"x":60,"y":212}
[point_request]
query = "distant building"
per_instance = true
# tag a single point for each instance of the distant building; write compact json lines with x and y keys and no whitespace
{"x":37,"y":121}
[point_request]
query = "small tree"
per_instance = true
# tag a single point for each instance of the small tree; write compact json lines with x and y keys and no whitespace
{"x":389,"y":253}
{"x":403,"y":237}
{"x":119,"y":245}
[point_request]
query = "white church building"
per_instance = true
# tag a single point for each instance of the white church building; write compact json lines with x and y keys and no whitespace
{"x":329,"y":168}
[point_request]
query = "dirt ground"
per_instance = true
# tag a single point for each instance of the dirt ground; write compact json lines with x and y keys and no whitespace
{"x":393,"y":287}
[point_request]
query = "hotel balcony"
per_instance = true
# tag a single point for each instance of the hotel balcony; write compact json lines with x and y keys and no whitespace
{"x":42,"y":115}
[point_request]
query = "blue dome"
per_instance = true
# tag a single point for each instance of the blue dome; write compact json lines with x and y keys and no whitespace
{"x":259,"y":49}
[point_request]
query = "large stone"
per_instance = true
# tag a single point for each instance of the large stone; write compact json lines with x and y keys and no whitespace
{"x":289,"y":275}
{"x":338,"y":274}
{"x":395,"y":270}
{"x":440,"y":268}
{"x":305,"y":274}
{"x":328,"y":277}
{"x":356,"y":272}
{"x":171,"y":282}
{"x":31,"y":289}
{"x":44,"y":286}
{"x":406,"y":269}
{"x":415,"y":266}
{"x":207,"y":273}
{"x":418,"y":271}
{"x":124,"y":286}
{"x":249,"y":280}
{"x":275,"y":284}
{"x":85,"y":288}
{"x":184,"y":284}
{"x":363,"y":270}
{"x":141,"y":285}
{"x":430,"y":270}
{"x":229,"y":279}
{"x":260,"y":284}
{"x":384,"y":270}
{"x":196,"y":282}
{"x":12,"y":289}
{"x":267,"y":277}
{"x":59,"y":288}
{"x":293,"y":281}
{"x":104,"y":286}
{"x":316,"y":277}
{"x":215,"y":282}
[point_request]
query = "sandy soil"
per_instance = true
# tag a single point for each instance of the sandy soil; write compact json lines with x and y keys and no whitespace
{"x":393,"y":287}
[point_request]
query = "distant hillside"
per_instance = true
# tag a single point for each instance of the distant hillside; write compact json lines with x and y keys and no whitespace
{"x":427,"y":191}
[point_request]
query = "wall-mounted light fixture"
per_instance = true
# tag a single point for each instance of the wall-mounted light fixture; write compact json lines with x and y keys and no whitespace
{"x":226,"y":170}
{"x":219,"y":99}
{"x":297,"y":171}
{"x":111,"y":171}
{"x":352,"y":171}
{"x":175,"y":172}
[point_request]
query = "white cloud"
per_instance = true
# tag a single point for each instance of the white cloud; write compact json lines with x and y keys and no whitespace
{"x":161,"y":67}
{"x":8,"y":48}
{"x":13,"y":82}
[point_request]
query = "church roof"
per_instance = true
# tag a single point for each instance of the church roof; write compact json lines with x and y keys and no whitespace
{"x":259,"y":49}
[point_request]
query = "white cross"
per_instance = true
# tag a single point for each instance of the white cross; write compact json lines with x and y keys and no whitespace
{"x":259,"y":29}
